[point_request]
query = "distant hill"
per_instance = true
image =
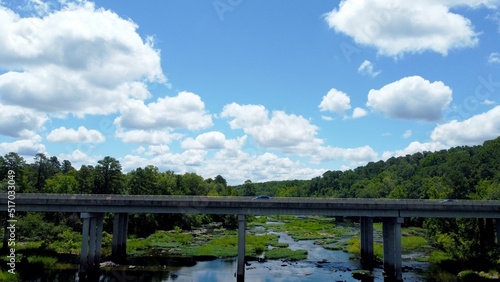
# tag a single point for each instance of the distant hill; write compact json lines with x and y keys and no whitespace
{"x":461,"y":172}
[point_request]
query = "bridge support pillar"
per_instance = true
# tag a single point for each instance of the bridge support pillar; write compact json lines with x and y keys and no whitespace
{"x":6,"y":231}
{"x":240,"y":271}
{"x":393,"y":264}
{"x":119,"y":244}
{"x":90,"y":255}
{"x":497,"y":225}
{"x":367,"y":242}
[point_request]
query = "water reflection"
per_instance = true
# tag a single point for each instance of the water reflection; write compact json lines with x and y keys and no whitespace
{"x":321,"y":264}
{"x":223,"y":271}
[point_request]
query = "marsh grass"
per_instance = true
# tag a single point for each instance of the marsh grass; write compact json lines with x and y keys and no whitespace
{"x":408,"y":243}
{"x":309,"y":228}
{"x":46,"y":261}
{"x":413,"y":242}
{"x":436,"y":256}
{"x":285,"y":253}
{"x":221,"y":245}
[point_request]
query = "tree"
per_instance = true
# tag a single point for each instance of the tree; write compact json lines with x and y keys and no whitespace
{"x":41,"y":166}
{"x":54,"y":165}
{"x":12,"y":161}
{"x":108,"y":177}
{"x":167,"y":183}
{"x":220,"y":180}
{"x":192,"y":184}
{"x":85,"y":179}
{"x":248,"y":188}
{"x":61,"y":184}
{"x":144,"y":181}
{"x":66,"y":166}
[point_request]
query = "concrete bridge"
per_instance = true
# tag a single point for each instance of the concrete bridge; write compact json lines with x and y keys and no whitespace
{"x":392,"y":212}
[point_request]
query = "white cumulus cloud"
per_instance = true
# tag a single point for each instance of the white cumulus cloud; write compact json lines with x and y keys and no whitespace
{"x":367,"y":68}
{"x":79,"y":60}
{"x":359,"y":112}
{"x":245,"y":116}
{"x":335,"y":101}
{"x":407,"y":134}
{"x":494,"y":58}
{"x":399,"y":27}
{"x":207,"y":140}
{"x":184,"y":111}
{"x":15,"y":120}
{"x":82,"y":134}
{"x":355,"y":156}
{"x":286,"y":132}
{"x":473,"y":131}
{"x":415,"y":147}
{"x":150,"y":137}
{"x":79,"y":158}
{"x":24,"y":147}
{"x":411,"y":98}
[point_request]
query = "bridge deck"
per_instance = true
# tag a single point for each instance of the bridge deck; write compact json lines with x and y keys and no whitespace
{"x":245,"y":205}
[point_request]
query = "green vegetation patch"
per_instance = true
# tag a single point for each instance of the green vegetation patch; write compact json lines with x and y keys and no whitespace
{"x":222,"y":245}
{"x":309,"y":228}
{"x":9,"y":277}
{"x":413,"y":242}
{"x":44,"y":260}
{"x":353,"y":246}
{"x":67,"y":242}
{"x":285,"y":253}
{"x":436,"y":256}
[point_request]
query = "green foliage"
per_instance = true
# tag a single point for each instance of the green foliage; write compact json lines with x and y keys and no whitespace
{"x":438,"y":256}
{"x":9,"y":277}
{"x":33,"y":226}
{"x":309,"y":228}
{"x":108,"y":177}
{"x":285,"y":253}
{"x":465,"y":240}
{"x":469,"y":276}
{"x":43,"y":260}
{"x":61,"y":184}
{"x":67,"y":242}
{"x":413,"y":242}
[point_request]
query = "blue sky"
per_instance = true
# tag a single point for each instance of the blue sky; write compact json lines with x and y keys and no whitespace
{"x":259,"y":90}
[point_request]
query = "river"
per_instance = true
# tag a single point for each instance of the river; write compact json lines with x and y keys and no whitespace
{"x":320,"y":265}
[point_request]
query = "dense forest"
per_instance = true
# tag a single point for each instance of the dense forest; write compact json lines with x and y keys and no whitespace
{"x":457,"y":173}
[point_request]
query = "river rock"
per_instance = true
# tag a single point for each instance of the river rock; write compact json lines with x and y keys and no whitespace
{"x":107,"y":264}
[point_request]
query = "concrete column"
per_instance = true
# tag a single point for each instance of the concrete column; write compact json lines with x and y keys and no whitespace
{"x":367,"y":242}
{"x":240,"y":272}
{"x":397,"y":249}
{"x":92,"y":242}
{"x":388,"y":238}
{"x":84,"y":253}
{"x":392,"y":248}
{"x":497,"y":225}
{"x":119,"y":244}
{"x":99,"y":227}
{"x":90,"y":255}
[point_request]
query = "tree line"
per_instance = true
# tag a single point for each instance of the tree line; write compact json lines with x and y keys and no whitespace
{"x":465,"y":172}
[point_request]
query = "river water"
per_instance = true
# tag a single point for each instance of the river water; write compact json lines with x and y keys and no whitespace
{"x":320,"y":265}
